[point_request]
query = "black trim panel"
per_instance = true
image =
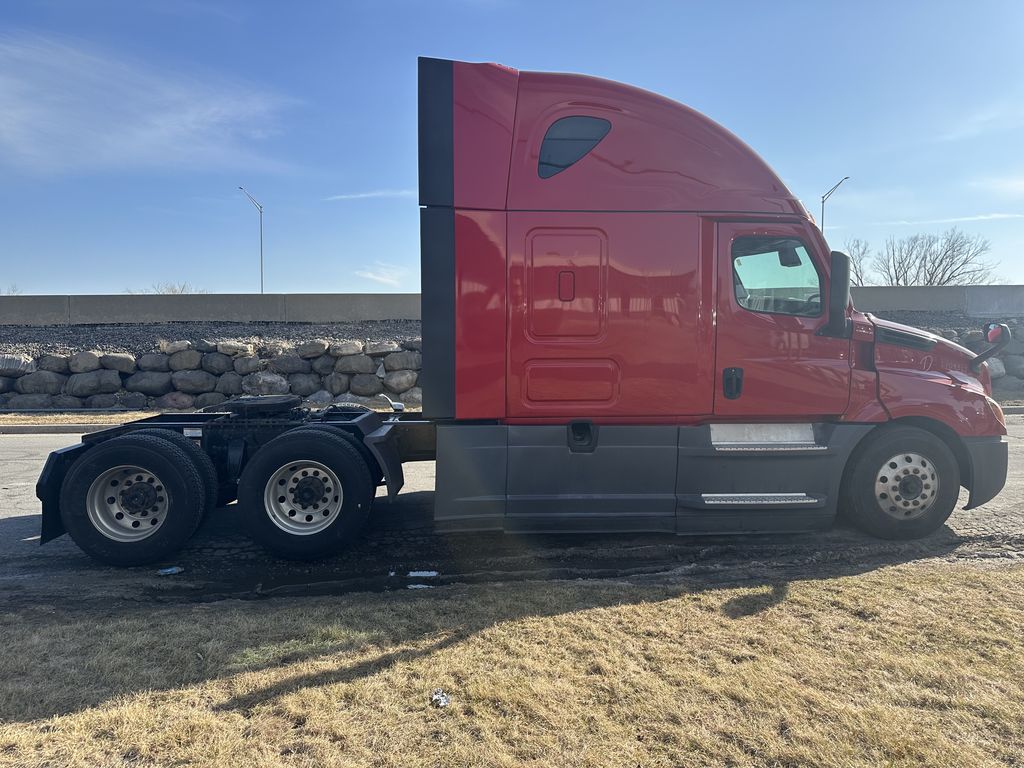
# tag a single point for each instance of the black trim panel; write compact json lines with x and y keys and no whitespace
{"x":436,"y":132}
{"x":903,"y":339}
{"x":437,"y":299}
{"x":989,"y":457}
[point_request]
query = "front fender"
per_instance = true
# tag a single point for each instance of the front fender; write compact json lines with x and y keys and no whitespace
{"x":934,"y":395}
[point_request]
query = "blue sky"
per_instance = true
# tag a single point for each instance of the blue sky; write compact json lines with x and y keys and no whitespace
{"x":126,"y":126}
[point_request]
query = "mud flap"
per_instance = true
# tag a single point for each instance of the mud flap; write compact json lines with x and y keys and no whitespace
{"x":383,"y":446}
{"x":988,"y":457}
{"x":48,"y":489}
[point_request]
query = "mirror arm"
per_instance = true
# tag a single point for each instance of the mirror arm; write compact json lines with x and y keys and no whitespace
{"x":995,"y":349}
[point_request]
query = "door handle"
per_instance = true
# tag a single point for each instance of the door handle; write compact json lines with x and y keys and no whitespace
{"x":581,"y":436}
{"x":732,"y":383}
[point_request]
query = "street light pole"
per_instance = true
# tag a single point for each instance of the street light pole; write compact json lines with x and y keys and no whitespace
{"x":260,"y":209}
{"x":825,"y":197}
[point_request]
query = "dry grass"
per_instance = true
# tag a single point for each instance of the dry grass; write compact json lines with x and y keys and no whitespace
{"x":73,"y":417}
{"x":903,"y":666}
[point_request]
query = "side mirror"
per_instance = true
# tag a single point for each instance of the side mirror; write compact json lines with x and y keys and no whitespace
{"x":996,"y":334}
{"x":839,"y":325}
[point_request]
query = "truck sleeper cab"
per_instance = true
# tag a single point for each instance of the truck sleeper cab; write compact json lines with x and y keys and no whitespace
{"x":629,"y":324}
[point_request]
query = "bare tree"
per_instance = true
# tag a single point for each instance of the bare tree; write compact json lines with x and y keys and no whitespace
{"x":169,"y":288}
{"x":11,"y":290}
{"x":858,"y":250}
{"x":952,"y":258}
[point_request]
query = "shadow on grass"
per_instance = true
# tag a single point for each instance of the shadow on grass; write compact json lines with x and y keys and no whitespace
{"x":71,"y":656}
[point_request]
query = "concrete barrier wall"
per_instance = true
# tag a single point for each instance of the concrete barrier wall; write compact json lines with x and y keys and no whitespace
{"x":975,"y":301}
{"x":216,"y":307}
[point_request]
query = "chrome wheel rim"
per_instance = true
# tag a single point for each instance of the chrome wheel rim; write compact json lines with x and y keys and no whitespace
{"x":303,"y":497}
{"x":906,"y":486}
{"x":127,"y":503}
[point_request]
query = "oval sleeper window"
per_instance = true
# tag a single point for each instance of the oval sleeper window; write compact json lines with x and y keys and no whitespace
{"x":567,"y":141}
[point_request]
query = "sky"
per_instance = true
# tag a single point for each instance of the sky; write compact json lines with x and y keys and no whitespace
{"x":127,"y":126}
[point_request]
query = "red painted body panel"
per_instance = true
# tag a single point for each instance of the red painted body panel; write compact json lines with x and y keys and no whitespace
{"x":658,"y":156}
{"x":484,"y":109}
{"x":480,"y":314}
{"x":636,"y":339}
{"x":603,"y":292}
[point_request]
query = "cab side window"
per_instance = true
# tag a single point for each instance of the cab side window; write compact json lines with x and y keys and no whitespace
{"x":776,"y":275}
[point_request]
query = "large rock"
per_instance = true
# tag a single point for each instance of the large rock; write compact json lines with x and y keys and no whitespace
{"x":355,"y":364}
{"x":320,"y":397}
{"x":412,"y":397}
{"x":152,"y":383}
{"x":132,"y":401}
{"x":323,"y":365}
{"x":217,"y":363}
{"x":287,"y":364}
{"x":265,"y":383}
{"x":100,"y":382}
{"x":399,"y":381}
{"x":247,"y":364}
{"x":66,"y":403}
{"x":194,"y":382}
{"x":996,"y":369}
{"x":416,"y":345}
{"x":173,"y":347}
{"x":53,"y":363}
{"x":311,"y":349}
{"x":186,"y":360}
{"x":342,"y":348}
{"x":1012,"y":364}
{"x":403,"y":361}
{"x":83,"y":362}
{"x":154,"y":361}
{"x":209,"y":400}
{"x":106,"y":401}
{"x":376,"y":348}
{"x":229,"y":384}
{"x":337,"y":383}
{"x":304,"y":384}
{"x":174,"y":401}
{"x":118,"y":361}
{"x":13,"y":366}
{"x":205,"y":345}
{"x":365,"y":384}
{"x":41,"y":383}
{"x":1008,"y":385}
{"x":233,"y":348}
{"x":29,"y":402}
{"x":6,"y":384}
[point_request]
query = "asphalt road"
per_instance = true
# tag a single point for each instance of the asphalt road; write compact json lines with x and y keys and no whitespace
{"x":400,"y":549}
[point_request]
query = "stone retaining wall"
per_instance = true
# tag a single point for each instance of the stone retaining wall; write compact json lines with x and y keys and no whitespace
{"x":182,"y":375}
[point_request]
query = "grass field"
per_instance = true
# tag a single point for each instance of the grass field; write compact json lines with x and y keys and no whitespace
{"x":906,"y":665}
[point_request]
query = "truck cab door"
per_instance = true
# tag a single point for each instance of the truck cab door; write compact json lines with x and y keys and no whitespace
{"x":772,"y":299}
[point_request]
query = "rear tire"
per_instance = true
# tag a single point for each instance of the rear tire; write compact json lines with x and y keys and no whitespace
{"x":203,"y":463}
{"x":305,"y":494}
{"x":902,"y":483}
{"x":132,"y":500}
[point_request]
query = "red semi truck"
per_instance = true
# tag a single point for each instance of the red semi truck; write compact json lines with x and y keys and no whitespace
{"x":629,"y":324}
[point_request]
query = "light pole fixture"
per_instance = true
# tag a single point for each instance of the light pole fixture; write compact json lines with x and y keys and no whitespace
{"x":260,"y":209}
{"x":825,"y":197}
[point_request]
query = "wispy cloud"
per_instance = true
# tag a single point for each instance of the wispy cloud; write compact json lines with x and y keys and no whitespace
{"x":989,"y":119}
{"x":951,"y":220}
{"x":1008,"y":185}
{"x":373,"y":193}
{"x":386,"y":274}
{"x":67,"y":108}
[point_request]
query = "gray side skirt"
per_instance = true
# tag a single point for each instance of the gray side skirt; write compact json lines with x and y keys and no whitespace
{"x":636,"y":479}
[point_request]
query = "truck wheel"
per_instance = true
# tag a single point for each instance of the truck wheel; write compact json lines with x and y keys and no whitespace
{"x":305,"y":494}
{"x":902,"y":484}
{"x":198,"y":456}
{"x":132,"y":500}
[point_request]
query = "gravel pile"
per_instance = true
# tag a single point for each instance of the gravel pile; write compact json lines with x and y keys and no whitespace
{"x":138,"y":339}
